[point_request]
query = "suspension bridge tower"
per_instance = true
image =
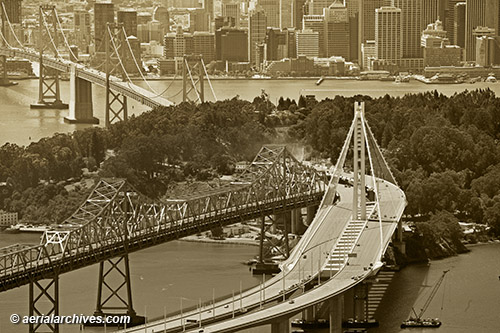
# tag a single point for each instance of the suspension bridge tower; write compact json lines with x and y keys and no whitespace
{"x":49,"y":92}
{"x":116,"y":103}
{"x":4,"y":80}
{"x":193,"y":71}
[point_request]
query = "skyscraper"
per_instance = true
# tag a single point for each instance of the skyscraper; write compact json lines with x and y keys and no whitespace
{"x":13,"y":10}
{"x":103,"y":14}
{"x":367,"y":18}
{"x":430,"y":12}
{"x":81,"y":29}
{"x":411,"y":18}
{"x":459,"y":24}
{"x":388,"y":34}
{"x":307,"y":43}
{"x":128,"y":17}
{"x":286,"y":14}
{"x":337,"y":30}
{"x":479,"y":13}
{"x":449,"y":17}
{"x":204,"y":44}
{"x":232,"y":9}
{"x":297,"y":13}
{"x":272,"y":11}
{"x":257,"y":26}
{"x":316,"y":23}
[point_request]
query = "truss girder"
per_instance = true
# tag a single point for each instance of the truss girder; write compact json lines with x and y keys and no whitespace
{"x":115,"y":219}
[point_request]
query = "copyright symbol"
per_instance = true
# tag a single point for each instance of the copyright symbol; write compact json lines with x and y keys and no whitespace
{"x":14,"y":318}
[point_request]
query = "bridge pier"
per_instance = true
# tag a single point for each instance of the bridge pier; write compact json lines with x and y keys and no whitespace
{"x":80,"y":106}
{"x":281,"y":326}
{"x":399,"y":243}
{"x":109,"y":299}
{"x":336,"y":313}
{"x":4,"y":79}
{"x":311,"y":212}
{"x":44,"y":300}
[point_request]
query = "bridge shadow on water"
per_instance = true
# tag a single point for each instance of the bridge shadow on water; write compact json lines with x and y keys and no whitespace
{"x":401,"y":296}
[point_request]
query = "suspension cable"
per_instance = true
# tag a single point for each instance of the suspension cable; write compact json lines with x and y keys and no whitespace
{"x":375,"y":185}
{"x":208,"y":79}
{"x":192,"y":81}
{"x":136,"y":63}
{"x":118,"y":55}
{"x":64,"y":35}
{"x":10,"y":25}
{"x":5,"y":40}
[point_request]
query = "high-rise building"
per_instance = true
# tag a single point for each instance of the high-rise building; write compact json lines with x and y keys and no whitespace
{"x":204,"y":44}
{"x":352,"y":7}
{"x":449,"y":17}
{"x":257,"y":27}
{"x":104,"y":13}
{"x":208,"y":5}
{"x":367,"y":18}
{"x":298,"y":13}
{"x":272,"y":11}
{"x":199,"y":20}
{"x":128,"y":17}
{"x":13,"y":10}
{"x":162,"y":15}
{"x":307,"y":43}
{"x":459,"y":24}
{"x":316,"y":23}
{"x":411,"y":18}
{"x":430,"y":11}
{"x":276,"y":43}
{"x":286,"y":12}
{"x":484,"y":13}
{"x":81,"y":29}
{"x":388,"y":34}
{"x":337,"y":30}
{"x":233,"y":45}
{"x":487,"y":51}
{"x":232,"y":10}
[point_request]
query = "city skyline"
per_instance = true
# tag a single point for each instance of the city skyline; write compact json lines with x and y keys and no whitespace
{"x":161,"y":32}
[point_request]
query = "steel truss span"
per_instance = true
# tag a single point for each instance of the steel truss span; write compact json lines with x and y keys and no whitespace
{"x":116,"y":220}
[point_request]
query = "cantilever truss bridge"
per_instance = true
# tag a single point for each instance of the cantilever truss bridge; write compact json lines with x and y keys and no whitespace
{"x":116,"y":220}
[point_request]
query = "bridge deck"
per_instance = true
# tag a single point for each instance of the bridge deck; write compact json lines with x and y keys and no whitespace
{"x":323,"y":232}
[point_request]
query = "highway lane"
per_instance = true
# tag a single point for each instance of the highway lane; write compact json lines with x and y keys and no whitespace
{"x":302,"y":266}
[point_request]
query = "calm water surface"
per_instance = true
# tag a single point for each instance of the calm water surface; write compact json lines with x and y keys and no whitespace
{"x":19,"y":124}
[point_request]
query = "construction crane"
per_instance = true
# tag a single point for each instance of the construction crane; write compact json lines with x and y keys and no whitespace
{"x":418,"y":321}
{"x":431,"y":296}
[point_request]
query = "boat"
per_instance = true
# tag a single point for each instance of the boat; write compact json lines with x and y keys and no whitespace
{"x":13,"y":229}
{"x":354,"y":323}
{"x":491,"y":78}
{"x":311,"y":324}
{"x":31,"y":228}
{"x":320,"y":80}
{"x":417,"y":321}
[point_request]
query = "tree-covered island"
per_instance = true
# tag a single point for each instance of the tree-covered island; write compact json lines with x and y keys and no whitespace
{"x":444,"y":152}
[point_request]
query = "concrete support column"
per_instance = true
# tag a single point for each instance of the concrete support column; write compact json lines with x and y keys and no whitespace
{"x":309,"y":313}
{"x":281,"y":326}
{"x":4,"y":79}
{"x":360,"y":302}
{"x":296,"y":220}
{"x":348,"y":303}
{"x":311,"y":212}
{"x":80,"y":107}
{"x":336,"y":312}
